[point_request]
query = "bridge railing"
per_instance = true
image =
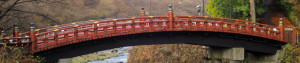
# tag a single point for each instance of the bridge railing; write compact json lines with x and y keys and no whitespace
{"x":16,"y":40}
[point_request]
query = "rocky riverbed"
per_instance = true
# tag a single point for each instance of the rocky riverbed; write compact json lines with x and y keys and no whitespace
{"x":117,"y":55}
{"x":122,"y":58}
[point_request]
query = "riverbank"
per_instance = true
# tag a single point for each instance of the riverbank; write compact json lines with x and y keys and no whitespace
{"x":107,"y":56}
{"x":167,"y":53}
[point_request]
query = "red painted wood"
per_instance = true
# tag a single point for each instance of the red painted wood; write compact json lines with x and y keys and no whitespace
{"x":170,"y":19}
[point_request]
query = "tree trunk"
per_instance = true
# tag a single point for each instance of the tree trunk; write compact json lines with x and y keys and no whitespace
{"x":252,"y":10}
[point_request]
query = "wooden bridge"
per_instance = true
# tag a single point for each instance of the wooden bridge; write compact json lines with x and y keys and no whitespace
{"x":43,"y":39}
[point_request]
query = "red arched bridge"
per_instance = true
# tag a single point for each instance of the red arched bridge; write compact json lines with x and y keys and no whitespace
{"x":60,"y":35}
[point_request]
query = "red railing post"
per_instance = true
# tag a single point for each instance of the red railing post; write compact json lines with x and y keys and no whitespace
{"x":66,"y":36}
{"x":142,"y":20}
{"x":171,"y":17}
{"x":33,"y":38}
{"x":16,"y":33}
{"x":151,"y":23}
{"x":46,"y":42}
{"x":56,"y":36}
{"x":266,"y":27}
{"x":294,"y":36}
{"x":142,"y":23}
{"x":236,"y":25}
{"x":133,"y":24}
{"x":86,"y":32}
{"x":190,"y":22}
{"x":76,"y":31}
{"x":221,"y":25}
{"x":96,"y":29}
{"x":124,"y":26}
{"x":115,"y":25}
{"x":16,"y":30}
{"x":281,"y":28}
{"x":206,"y":23}
{"x":248,"y":27}
{"x":105,"y":30}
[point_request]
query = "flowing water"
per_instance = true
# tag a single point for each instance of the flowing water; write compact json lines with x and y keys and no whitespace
{"x":119,"y":59}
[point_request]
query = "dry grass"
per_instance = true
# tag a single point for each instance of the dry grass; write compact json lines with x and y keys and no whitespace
{"x":17,"y":55}
{"x":297,"y":53}
{"x":291,"y":53}
{"x":93,"y":57}
{"x":167,"y":53}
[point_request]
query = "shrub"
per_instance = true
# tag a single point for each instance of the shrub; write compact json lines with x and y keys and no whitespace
{"x":167,"y":53}
{"x":291,"y":53}
{"x":10,"y":54}
{"x":221,"y":8}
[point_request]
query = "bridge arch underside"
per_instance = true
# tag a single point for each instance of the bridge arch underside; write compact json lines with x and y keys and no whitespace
{"x":215,"y":39}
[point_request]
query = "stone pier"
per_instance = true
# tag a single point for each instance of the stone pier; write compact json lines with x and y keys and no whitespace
{"x":239,"y":55}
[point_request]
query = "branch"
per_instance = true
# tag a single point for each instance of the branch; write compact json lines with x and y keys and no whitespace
{"x":3,"y":3}
{"x":16,"y":16}
{"x":55,"y":2}
{"x":47,"y":2}
{"x":8,"y":9}
{"x":25,"y":1}
{"x":8,"y":27}
{"x":5,"y":21}
{"x":35,"y":13}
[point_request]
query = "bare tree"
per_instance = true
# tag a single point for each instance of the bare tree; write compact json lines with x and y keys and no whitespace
{"x":17,"y":11}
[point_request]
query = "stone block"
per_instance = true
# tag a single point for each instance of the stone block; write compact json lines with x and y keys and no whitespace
{"x":226,"y":53}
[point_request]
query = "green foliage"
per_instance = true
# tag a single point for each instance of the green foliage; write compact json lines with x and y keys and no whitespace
{"x":288,"y":53}
{"x":291,"y":53}
{"x":18,"y":55}
{"x":260,"y":11}
{"x":101,"y":57}
{"x":287,"y":6}
{"x":93,"y":56}
{"x":167,"y":53}
{"x":221,"y":8}
{"x":290,"y":11}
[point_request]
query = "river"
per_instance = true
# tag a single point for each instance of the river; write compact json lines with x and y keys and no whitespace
{"x":124,"y":51}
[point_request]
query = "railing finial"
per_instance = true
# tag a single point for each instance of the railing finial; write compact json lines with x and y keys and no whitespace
{"x":170,"y":8}
{"x":16,"y":27}
{"x":281,"y":28}
{"x":198,"y":9}
{"x":31,"y":26}
{"x":171,"y":17}
{"x":16,"y":30}
{"x":281,"y":21}
{"x":15,"y":24}
{"x":142,"y":8}
{"x":142,"y":11}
